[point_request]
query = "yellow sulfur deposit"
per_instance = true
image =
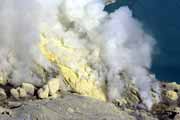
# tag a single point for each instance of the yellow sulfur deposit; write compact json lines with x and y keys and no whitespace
{"x":80,"y":77}
{"x":172,"y":95}
{"x":3,"y":79}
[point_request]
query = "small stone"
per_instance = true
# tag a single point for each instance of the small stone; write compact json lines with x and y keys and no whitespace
{"x":171,"y":95}
{"x":3,"y":95}
{"x":14,"y":93}
{"x":54,"y":86}
{"x":43,"y":92}
{"x":29,"y":88}
{"x":18,"y":93}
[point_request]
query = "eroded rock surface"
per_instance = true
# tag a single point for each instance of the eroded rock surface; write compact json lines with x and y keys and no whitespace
{"x":69,"y":107}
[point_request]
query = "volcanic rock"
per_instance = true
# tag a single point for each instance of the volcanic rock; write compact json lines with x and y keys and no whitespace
{"x":18,"y":93}
{"x":43,"y":92}
{"x":3,"y":95}
{"x":54,"y":86}
{"x":3,"y":79}
{"x":14,"y":92}
{"x":171,"y":95}
{"x":70,"y":107}
{"x":130,"y":97}
{"x":22,"y":92}
{"x":29,"y":88}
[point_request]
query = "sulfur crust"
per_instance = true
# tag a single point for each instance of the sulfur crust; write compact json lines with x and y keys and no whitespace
{"x":86,"y":85}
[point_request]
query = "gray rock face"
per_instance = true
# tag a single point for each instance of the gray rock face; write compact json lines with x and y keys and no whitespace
{"x":69,"y":107}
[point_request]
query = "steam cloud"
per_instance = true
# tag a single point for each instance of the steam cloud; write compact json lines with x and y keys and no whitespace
{"x":122,"y":43}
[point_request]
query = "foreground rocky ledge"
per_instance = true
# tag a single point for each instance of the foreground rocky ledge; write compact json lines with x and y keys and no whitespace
{"x":66,"y":107}
{"x":70,"y":106}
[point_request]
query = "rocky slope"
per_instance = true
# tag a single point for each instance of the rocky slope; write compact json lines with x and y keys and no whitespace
{"x":66,"y":107}
{"x":70,"y":106}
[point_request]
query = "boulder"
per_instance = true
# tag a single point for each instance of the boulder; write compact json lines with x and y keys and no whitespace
{"x":14,"y":92}
{"x":54,"y":86}
{"x":22,"y":92}
{"x":171,"y":95}
{"x":18,"y":93}
{"x":43,"y":92}
{"x":29,"y":88}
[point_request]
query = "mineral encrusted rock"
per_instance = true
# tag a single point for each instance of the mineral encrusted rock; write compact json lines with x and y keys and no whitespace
{"x":107,"y":2}
{"x":18,"y":93}
{"x":43,"y":92}
{"x":22,"y":92}
{"x":70,"y":107}
{"x":14,"y":92}
{"x":171,"y":95}
{"x":29,"y":88}
{"x":81,"y":78}
{"x":169,"y":106}
{"x":130,"y":97}
{"x":54,"y":86}
{"x":26,"y":90}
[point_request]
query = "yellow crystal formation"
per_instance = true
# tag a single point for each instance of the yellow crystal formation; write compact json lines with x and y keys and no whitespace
{"x":72,"y":66}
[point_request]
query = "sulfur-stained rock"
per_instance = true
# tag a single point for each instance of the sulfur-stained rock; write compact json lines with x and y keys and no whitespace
{"x":174,"y":109}
{"x":166,"y":112}
{"x":22,"y":92}
{"x":54,"y":86}
{"x":63,"y":85}
{"x":130,"y":97}
{"x":18,"y":93}
{"x":41,"y":72}
{"x":3,"y":95}
{"x":177,"y":117}
{"x":29,"y":88}
{"x":3,"y":79}
{"x":14,"y":92}
{"x":173,"y":85}
{"x":43,"y":92}
{"x":171,"y":95}
{"x":81,"y":78}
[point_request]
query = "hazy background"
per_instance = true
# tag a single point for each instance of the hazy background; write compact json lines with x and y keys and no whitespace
{"x":162,"y":18}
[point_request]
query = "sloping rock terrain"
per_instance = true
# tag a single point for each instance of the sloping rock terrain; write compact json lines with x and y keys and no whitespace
{"x":68,"y":107}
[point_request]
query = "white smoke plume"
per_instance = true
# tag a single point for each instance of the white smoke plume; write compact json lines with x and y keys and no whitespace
{"x":120,"y":39}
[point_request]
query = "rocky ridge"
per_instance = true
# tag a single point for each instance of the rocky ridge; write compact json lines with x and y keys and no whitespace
{"x":28,"y":102}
